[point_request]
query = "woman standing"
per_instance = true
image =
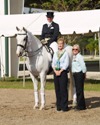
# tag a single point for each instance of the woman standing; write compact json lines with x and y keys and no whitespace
{"x":79,"y":74}
{"x":60,"y":64}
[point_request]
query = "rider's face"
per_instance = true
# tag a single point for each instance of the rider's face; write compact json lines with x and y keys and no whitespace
{"x":49,"y":19}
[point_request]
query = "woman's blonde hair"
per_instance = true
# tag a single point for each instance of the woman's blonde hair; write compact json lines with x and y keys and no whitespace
{"x":76,"y":46}
{"x":61,"y":39}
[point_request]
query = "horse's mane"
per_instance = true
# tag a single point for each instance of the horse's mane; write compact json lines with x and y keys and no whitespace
{"x":32,"y":37}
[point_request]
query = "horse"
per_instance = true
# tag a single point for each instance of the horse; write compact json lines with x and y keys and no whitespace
{"x":38,"y":61}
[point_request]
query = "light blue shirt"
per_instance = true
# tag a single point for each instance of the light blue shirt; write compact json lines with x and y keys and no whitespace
{"x":78,"y":63}
{"x":64,"y":61}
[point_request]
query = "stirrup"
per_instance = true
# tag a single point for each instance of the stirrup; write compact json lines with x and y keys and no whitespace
{"x":51,"y":51}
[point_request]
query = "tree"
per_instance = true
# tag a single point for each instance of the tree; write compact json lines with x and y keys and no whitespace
{"x":64,"y":5}
{"x":82,"y":41}
{"x":92,"y":46}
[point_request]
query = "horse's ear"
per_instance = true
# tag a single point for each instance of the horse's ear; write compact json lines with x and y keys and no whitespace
{"x":24,"y":29}
{"x":17,"y":28}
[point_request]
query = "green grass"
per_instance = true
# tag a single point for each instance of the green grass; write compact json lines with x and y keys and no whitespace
{"x":90,"y":85}
{"x":18,"y":84}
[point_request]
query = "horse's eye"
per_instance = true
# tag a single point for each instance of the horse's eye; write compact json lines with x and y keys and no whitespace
{"x":25,"y":38}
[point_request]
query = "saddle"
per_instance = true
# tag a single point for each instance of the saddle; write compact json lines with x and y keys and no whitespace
{"x":48,"y":48}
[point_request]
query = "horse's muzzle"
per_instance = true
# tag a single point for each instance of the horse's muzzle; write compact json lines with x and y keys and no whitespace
{"x":18,"y":54}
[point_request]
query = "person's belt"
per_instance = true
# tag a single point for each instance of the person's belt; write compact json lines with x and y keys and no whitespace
{"x":77,"y":72}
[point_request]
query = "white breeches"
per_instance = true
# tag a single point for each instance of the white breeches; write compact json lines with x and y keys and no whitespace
{"x":54,"y":46}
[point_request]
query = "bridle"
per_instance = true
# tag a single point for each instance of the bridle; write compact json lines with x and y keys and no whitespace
{"x":24,"y":47}
{"x":26,"y":40}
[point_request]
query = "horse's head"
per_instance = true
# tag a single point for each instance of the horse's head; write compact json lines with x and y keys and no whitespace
{"x":27,"y":43}
{"x":22,"y":39}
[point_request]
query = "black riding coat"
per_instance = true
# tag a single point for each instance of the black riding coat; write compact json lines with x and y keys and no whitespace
{"x":51,"y":32}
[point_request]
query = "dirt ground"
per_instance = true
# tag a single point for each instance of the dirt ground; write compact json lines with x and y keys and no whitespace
{"x":16,"y":108}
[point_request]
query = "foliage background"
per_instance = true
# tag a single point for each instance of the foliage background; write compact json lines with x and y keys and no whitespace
{"x":64,"y":5}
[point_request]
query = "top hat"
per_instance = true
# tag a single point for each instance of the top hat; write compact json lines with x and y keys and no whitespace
{"x":50,"y":14}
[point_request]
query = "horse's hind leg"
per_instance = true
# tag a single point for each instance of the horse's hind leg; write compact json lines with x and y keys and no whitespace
{"x":74,"y":95}
{"x":73,"y":90}
{"x":42,"y":89}
{"x":35,"y":84}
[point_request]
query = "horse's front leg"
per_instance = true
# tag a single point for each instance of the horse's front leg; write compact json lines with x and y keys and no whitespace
{"x":42,"y":89}
{"x":36,"y":97}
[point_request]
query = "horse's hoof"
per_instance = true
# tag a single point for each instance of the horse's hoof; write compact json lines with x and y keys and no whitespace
{"x":36,"y":107}
{"x":41,"y":108}
{"x":74,"y":104}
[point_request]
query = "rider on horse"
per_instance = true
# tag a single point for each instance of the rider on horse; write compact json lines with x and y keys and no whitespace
{"x":50,"y":32}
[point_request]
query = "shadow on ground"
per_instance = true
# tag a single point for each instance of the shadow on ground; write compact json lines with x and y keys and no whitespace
{"x":93,"y":102}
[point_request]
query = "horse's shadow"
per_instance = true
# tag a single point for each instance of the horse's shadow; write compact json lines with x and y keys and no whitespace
{"x":92,"y":102}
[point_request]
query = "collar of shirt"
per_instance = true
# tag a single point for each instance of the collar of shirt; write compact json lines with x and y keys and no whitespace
{"x":75,"y":57}
{"x":49,"y":24}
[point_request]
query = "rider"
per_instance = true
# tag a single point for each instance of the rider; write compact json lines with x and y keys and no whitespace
{"x":50,"y":32}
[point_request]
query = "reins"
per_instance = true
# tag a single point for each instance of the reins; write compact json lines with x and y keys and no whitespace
{"x":36,"y":52}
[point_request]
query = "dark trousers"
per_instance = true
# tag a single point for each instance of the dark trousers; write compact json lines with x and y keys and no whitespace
{"x":79,"y":84}
{"x":61,"y":91}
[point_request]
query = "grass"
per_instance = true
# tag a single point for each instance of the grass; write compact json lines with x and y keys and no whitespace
{"x":90,"y":85}
{"x":18,"y":83}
